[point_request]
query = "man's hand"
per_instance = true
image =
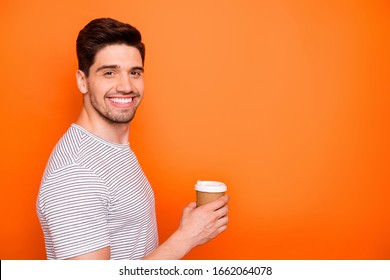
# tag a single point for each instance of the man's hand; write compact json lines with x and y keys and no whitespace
{"x":198,"y":225}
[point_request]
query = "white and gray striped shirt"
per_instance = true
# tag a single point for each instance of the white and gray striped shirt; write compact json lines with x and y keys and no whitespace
{"x":94,"y":194}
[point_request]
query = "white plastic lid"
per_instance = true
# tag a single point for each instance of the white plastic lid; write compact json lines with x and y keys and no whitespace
{"x":210,"y":186}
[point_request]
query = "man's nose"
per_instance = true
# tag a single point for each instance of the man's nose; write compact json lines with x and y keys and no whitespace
{"x":124,"y":84}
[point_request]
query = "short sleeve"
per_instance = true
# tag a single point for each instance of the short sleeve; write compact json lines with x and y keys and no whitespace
{"x":72,"y":207}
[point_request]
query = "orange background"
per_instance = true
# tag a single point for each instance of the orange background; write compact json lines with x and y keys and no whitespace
{"x":285,"y":101}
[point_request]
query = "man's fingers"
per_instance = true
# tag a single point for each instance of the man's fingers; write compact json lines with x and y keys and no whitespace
{"x":218,"y":226}
{"x":220,"y":218}
{"x":216,"y":204}
{"x":221,"y":212}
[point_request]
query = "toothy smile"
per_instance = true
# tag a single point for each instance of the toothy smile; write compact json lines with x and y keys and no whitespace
{"x":122,"y":100}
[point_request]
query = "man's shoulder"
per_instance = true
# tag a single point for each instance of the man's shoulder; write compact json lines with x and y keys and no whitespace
{"x":70,"y":174}
{"x":66,"y":149}
{"x":69,"y":185}
{"x":68,"y":153}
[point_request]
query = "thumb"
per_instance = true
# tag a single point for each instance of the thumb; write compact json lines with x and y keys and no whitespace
{"x":190,"y":207}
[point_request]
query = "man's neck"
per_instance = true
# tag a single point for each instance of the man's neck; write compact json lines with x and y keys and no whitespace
{"x":117,"y":133}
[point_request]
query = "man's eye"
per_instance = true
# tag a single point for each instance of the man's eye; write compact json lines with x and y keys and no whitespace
{"x":136,"y":73}
{"x":108,"y":73}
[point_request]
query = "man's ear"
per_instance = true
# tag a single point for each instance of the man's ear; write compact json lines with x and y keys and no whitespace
{"x":81,"y":81}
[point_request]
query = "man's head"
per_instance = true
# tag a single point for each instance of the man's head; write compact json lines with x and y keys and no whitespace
{"x":110,"y":76}
{"x":102,"y":32}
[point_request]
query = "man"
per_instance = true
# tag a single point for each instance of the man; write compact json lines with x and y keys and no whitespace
{"x":94,"y":200}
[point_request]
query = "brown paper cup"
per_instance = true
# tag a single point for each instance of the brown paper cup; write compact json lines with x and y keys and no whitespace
{"x":207,"y":191}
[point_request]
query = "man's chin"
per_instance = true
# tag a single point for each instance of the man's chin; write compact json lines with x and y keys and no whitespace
{"x":121,"y":119}
{"x":124,"y":117}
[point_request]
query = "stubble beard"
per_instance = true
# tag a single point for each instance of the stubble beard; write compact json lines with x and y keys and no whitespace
{"x":118,"y":116}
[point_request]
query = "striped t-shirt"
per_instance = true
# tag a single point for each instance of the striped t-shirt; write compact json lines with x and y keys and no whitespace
{"x":94,"y":194}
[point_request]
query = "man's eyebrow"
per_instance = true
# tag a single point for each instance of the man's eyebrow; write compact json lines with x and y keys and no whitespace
{"x":107,"y":67}
{"x":114,"y":66}
{"x":139,"y":68}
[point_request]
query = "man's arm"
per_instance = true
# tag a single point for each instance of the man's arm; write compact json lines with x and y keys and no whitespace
{"x":197,"y":226}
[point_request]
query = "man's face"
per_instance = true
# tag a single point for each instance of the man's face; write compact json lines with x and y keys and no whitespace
{"x":115,"y":85}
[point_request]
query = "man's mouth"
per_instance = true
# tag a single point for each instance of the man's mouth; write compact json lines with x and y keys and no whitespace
{"x":122,"y":100}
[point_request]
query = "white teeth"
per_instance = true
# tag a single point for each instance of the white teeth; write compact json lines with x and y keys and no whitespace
{"x":122,"y":100}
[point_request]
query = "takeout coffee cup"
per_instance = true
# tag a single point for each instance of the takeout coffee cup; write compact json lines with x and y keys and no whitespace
{"x":207,"y":191}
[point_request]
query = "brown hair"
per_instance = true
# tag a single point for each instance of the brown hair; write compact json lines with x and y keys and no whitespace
{"x":102,"y":32}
